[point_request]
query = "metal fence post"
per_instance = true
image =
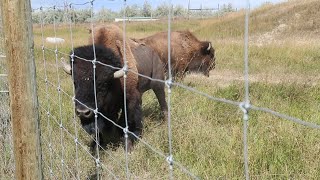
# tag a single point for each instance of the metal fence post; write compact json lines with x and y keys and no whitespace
{"x":17,"y":26}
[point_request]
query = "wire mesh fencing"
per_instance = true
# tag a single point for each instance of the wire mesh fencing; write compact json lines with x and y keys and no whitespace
{"x":6,"y":141}
{"x":65,"y":150}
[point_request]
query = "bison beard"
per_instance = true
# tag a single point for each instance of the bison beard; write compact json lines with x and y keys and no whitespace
{"x":110,"y":98}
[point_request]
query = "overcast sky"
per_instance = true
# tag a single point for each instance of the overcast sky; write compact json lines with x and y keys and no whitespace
{"x":118,"y":4}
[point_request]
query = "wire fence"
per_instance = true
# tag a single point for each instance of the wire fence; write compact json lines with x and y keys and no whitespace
{"x":58,"y":132}
{"x":6,"y":140}
{"x":63,"y":129}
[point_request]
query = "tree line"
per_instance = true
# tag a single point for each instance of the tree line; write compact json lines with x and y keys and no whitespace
{"x":104,"y":14}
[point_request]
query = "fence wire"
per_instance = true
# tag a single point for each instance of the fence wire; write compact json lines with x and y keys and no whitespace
{"x":245,"y":106}
{"x":125,"y":67}
{"x":53,"y":122}
{"x":70,"y":17}
{"x":6,"y":138}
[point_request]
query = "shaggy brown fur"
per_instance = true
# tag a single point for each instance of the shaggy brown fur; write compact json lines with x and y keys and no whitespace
{"x":147,"y":61}
{"x":107,"y":35}
{"x":187,"y":52}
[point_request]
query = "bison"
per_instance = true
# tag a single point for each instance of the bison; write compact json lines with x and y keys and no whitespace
{"x":187,"y":54}
{"x":109,"y":93}
{"x":147,"y":59}
{"x":150,"y":65}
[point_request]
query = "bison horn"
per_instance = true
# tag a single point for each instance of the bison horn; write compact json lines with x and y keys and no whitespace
{"x":209,"y":47}
{"x":66,"y":66}
{"x":118,"y":74}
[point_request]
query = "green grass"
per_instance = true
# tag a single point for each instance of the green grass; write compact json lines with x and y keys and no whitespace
{"x":207,"y":135}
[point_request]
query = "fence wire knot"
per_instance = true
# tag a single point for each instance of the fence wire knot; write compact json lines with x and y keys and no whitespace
{"x":170,"y":161}
{"x":169,"y":84}
{"x":125,"y":70}
{"x":97,"y":162}
{"x":94,"y":62}
{"x":245,"y":106}
{"x":72,"y":56}
{"x":125,"y":131}
{"x":42,"y":47}
{"x":76,"y":140}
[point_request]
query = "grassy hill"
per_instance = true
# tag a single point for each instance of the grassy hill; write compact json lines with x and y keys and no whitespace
{"x":284,"y":56}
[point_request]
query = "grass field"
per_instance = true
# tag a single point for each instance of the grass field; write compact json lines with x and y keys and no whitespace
{"x":207,"y":136}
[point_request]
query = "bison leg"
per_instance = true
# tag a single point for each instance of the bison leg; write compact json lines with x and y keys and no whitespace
{"x":158,"y":89}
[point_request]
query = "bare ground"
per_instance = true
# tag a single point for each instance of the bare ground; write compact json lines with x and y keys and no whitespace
{"x":224,"y":78}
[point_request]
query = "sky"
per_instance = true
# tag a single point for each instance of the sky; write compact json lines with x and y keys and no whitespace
{"x":116,"y":5}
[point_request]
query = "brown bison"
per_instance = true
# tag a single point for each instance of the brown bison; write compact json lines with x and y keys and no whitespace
{"x":187,"y":52}
{"x":109,"y":90}
{"x":148,"y":61}
{"x":150,"y":65}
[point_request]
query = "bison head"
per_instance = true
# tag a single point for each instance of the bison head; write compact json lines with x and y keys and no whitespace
{"x":203,"y":60}
{"x":103,"y":95}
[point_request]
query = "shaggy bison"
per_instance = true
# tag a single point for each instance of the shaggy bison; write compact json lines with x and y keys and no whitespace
{"x":148,"y":61}
{"x":109,"y":93}
{"x":187,"y":54}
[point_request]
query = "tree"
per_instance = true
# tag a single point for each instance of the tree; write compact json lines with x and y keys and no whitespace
{"x":82,"y":15}
{"x":36,"y":17}
{"x":105,"y":15}
{"x":179,"y":11}
{"x":162,"y":10}
{"x":131,"y":11}
{"x":146,"y":9}
{"x":227,"y":8}
{"x":230,"y":8}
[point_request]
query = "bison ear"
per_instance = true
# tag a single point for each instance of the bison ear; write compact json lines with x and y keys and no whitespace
{"x":66,"y":66}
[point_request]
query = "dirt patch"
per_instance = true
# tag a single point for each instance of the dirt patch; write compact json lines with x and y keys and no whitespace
{"x":224,"y":78}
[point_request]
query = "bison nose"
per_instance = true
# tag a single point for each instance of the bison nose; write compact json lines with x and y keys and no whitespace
{"x":86,"y":113}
